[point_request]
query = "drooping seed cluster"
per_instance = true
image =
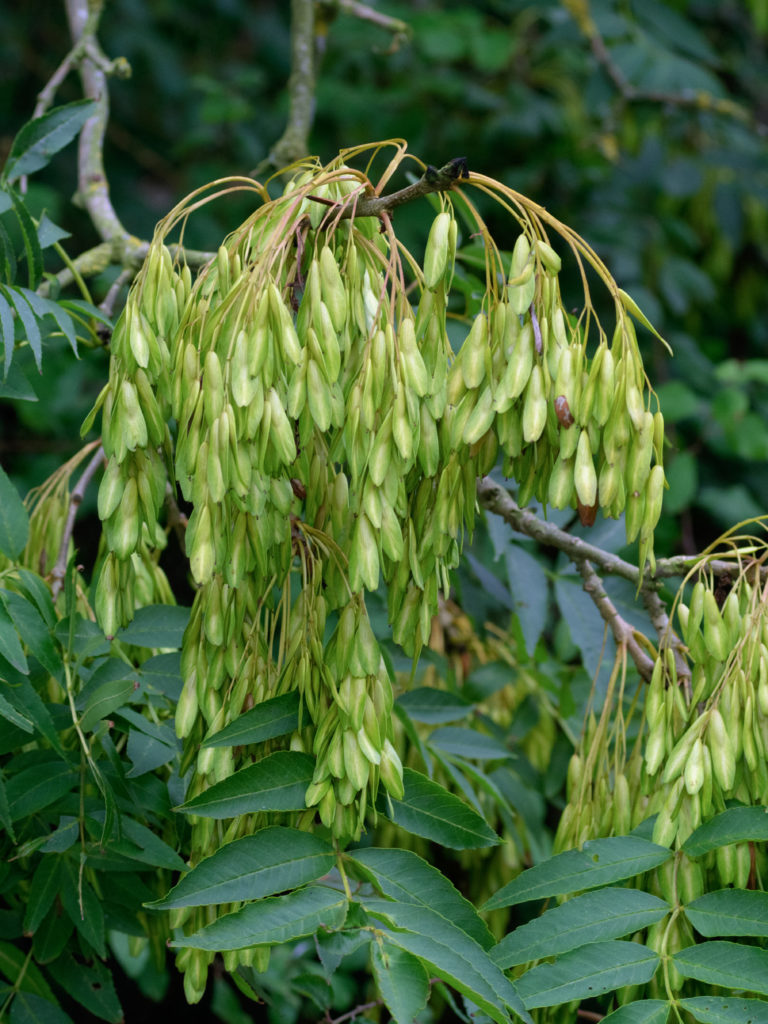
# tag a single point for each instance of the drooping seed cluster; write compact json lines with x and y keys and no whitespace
{"x":302,"y":396}
{"x":702,"y":746}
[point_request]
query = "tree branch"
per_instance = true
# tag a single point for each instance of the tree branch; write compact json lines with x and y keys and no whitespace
{"x":623,"y":632}
{"x":59,"y":570}
{"x":433,"y":180}
{"x":498,"y":500}
{"x":293,"y":144}
{"x":401,"y":30}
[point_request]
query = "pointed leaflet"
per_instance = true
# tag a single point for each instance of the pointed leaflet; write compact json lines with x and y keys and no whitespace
{"x":727,"y":964}
{"x":29,"y":323}
{"x":276,"y":783}
{"x":44,"y":887}
{"x":90,"y":984}
{"x":273,"y":920}
{"x":587,"y":972}
{"x":469,"y":743}
{"x":426,"y":923}
{"x":273,"y":860}
{"x":430,"y":811}
{"x":599,"y":862}
{"x":14,"y":519}
{"x":404,"y":876}
{"x":644,"y":1011}
{"x":401,"y":979}
{"x":593,"y":917}
{"x":157,"y":625}
{"x":7,"y":332}
{"x":10,"y":646}
{"x":32,"y":248}
{"x":730,"y":912}
{"x":10,"y":714}
{"x":38,"y":787}
{"x":84,"y":908}
{"x":40,"y":138}
{"x":27,"y":1008}
{"x":470,"y":977}
{"x":427,"y":704}
{"x":726,"y":1010}
{"x":271,"y":718}
{"x":45,"y":307}
{"x":734,"y":825}
{"x":33,"y":631}
{"x":632,"y":307}
{"x":15,"y":966}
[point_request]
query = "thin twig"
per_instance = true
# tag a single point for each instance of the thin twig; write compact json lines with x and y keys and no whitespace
{"x":124,"y":278}
{"x":696,"y":99}
{"x":433,"y":180}
{"x":623,"y":632}
{"x":293,"y":144}
{"x":59,"y":570}
{"x":84,"y":18}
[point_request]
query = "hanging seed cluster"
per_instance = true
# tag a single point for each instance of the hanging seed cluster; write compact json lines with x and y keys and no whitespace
{"x":303,"y":397}
{"x":703,"y":744}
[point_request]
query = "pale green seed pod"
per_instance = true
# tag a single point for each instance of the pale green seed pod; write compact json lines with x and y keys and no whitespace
{"x":535,"y":407}
{"x":693,"y":772}
{"x":213,"y":387}
{"x":721,"y":751}
{"x":436,"y":254}
{"x":332,"y":287}
{"x":584,"y":476}
{"x":318,"y":397}
{"x":714,"y":629}
{"x":473,"y":354}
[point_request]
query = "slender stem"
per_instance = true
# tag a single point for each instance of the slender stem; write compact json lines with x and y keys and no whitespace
{"x":433,"y":180}
{"x":78,"y":492}
{"x":400,"y":29}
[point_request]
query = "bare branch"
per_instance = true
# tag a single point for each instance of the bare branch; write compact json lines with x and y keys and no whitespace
{"x":59,"y":570}
{"x":400,"y":30}
{"x":433,"y":180}
{"x":92,"y":181}
{"x":293,"y":144}
{"x":623,"y":632}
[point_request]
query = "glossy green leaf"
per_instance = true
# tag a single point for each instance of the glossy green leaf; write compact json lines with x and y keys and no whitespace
{"x":587,"y":972}
{"x":12,"y":960}
{"x":49,"y":233}
{"x":599,"y":862}
{"x":32,"y":250}
{"x":35,"y":788}
{"x":401,"y":979}
{"x":454,"y":958}
{"x":43,"y":307}
{"x":271,"y":718}
{"x":90,"y":984}
{"x":272,"y":860}
{"x":727,"y":964}
{"x":276,"y":783}
{"x":432,"y":706}
{"x":430,"y":811}
{"x":643,"y":1011}
{"x":44,"y":136}
{"x":163,"y":673}
{"x":52,"y":936}
{"x":157,"y":625}
{"x":594,"y":917}
{"x":726,"y":1010}
{"x":468,"y":743}
{"x":39,"y":593}
{"x":149,"y":848}
{"x":43,"y":889}
{"x":29,"y":323}
{"x":11,"y":714}
{"x":8,"y":337}
{"x":84,"y":908}
{"x":28,"y":1008}
{"x":734,"y":825}
{"x":10,"y":645}
{"x":34,"y":632}
{"x":730,"y":912}
{"x":273,"y":920}
{"x":106,"y":699}
{"x":404,"y":876}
